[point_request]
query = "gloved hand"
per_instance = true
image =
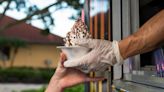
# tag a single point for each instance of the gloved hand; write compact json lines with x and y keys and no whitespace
{"x":103,"y":54}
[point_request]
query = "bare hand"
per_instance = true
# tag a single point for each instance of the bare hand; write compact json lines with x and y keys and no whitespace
{"x":67,"y":77}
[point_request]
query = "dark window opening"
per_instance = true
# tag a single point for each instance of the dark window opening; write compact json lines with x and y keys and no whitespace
{"x":148,"y":8}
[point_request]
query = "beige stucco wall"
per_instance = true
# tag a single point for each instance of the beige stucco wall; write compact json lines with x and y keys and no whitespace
{"x":35,"y":55}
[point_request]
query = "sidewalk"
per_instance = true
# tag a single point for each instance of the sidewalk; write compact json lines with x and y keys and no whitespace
{"x":18,"y":87}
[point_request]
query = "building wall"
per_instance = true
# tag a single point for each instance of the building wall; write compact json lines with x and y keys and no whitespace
{"x":34,"y":55}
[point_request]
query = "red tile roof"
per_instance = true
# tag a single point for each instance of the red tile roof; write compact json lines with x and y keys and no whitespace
{"x":28,"y":33}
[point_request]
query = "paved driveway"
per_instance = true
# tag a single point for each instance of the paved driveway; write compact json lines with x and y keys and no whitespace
{"x":8,"y":87}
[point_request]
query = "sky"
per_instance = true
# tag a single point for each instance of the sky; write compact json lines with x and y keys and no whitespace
{"x":62,"y":22}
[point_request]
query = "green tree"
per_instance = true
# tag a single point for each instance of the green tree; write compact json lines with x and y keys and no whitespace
{"x":34,"y":13}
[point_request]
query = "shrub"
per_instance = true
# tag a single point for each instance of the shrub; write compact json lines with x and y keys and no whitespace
{"x":26,"y":75}
{"x":78,"y":88}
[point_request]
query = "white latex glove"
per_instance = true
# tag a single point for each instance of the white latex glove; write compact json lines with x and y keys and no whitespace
{"x":103,"y":54}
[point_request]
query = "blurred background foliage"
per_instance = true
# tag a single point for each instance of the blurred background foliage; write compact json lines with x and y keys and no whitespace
{"x":25,"y":75}
{"x":34,"y":76}
{"x":78,"y":88}
{"x":12,"y":42}
{"x":34,"y":13}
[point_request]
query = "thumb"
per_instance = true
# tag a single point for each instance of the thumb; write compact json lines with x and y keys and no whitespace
{"x":62,"y":59}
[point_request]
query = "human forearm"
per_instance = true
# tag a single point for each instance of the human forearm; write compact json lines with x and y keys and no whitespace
{"x":148,"y":37}
{"x":54,"y":86}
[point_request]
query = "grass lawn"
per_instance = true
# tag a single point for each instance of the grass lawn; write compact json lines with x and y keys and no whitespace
{"x":78,"y":88}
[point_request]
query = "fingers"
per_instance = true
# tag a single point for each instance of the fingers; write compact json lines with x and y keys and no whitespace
{"x":74,"y":62}
{"x":82,"y":42}
{"x":79,"y":61}
{"x":90,"y":43}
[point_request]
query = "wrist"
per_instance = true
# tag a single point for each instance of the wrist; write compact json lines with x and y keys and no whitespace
{"x":54,"y":86}
{"x":121,"y":48}
{"x":116,"y":51}
{"x":54,"y":89}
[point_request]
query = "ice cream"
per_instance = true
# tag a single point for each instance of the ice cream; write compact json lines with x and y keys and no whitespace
{"x":78,"y":31}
